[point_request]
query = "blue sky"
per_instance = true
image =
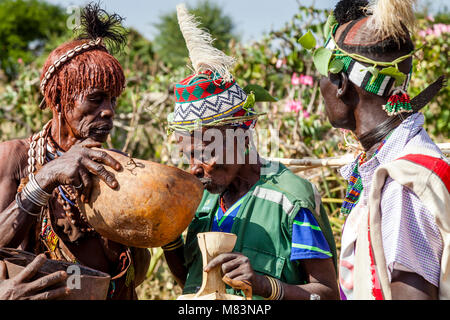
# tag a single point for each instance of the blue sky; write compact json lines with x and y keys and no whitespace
{"x":253,"y":18}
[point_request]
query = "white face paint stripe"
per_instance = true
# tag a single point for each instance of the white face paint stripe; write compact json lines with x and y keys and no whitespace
{"x":274,"y":196}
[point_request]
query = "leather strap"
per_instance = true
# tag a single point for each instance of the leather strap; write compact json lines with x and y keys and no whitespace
{"x":436,"y":165}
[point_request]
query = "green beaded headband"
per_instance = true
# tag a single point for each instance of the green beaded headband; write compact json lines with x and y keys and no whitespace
{"x":332,"y":58}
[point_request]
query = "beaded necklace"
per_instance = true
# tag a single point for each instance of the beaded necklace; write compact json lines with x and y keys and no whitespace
{"x":42,"y":150}
{"x":355,"y":186}
{"x":67,"y":196}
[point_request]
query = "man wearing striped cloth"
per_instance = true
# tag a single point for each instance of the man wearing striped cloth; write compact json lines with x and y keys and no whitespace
{"x":285,"y":247}
{"x":395,"y":243}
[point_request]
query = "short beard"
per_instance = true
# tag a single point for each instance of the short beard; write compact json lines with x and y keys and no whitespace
{"x":212,"y":187}
{"x":216,"y":189}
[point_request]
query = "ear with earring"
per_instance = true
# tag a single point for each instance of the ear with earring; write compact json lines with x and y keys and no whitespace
{"x":342,"y":85}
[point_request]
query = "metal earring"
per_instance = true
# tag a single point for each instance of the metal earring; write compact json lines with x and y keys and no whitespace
{"x":58,"y":108}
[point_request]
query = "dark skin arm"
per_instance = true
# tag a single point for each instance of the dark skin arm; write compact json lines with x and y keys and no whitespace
{"x":75,"y":167}
{"x":411,"y":286}
{"x":141,"y":258}
{"x":175,"y":261}
{"x":14,"y":223}
{"x":321,"y":277}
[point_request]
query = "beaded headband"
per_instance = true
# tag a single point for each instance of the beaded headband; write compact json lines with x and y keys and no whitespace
{"x":382,"y":78}
{"x":383,"y":20}
{"x":367,"y":78}
{"x":66,"y":57}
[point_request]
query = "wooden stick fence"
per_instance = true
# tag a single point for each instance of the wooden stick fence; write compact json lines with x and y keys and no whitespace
{"x":298,"y":165}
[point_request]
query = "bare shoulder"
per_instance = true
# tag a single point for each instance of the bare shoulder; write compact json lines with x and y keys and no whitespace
{"x":16,"y":144}
{"x":13,"y":157}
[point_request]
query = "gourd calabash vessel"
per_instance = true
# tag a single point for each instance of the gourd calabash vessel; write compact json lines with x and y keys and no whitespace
{"x":151,"y":207}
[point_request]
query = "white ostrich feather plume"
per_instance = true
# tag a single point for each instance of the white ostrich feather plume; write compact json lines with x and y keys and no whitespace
{"x":203,"y":56}
{"x":387,"y":15}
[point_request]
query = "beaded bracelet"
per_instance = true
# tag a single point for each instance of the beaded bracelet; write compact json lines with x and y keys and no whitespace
{"x":178,"y":243}
{"x":277,"y":289}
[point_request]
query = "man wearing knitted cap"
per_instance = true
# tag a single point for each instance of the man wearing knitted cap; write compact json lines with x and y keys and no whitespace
{"x":42,"y":177}
{"x":395,"y":239}
{"x":285,"y":248}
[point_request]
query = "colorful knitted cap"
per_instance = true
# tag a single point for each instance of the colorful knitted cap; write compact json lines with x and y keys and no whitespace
{"x":211,"y":96}
{"x":206,"y":98}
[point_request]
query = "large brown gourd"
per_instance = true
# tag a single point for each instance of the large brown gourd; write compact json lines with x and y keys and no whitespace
{"x":151,"y":207}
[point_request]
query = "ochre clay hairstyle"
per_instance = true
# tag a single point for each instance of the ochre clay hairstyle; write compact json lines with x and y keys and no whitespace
{"x":77,"y":66}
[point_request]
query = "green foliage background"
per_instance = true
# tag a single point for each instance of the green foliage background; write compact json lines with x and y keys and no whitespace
{"x":24,"y":28}
{"x":140,"y":123}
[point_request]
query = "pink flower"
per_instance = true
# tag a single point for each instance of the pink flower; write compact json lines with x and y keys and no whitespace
{"x":280,"y":63}
{"x":306,"y":114}
{"x":295,"y":80}
{"x":293,"y":106}
{"x":436,"y":30}
{"x":441,"y":28}
{"x":422,"y":33}
{"x":430,"y":18}
{"x":306,"y":80}
{"x":20,"y":60}
{"x":302,"y":79}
